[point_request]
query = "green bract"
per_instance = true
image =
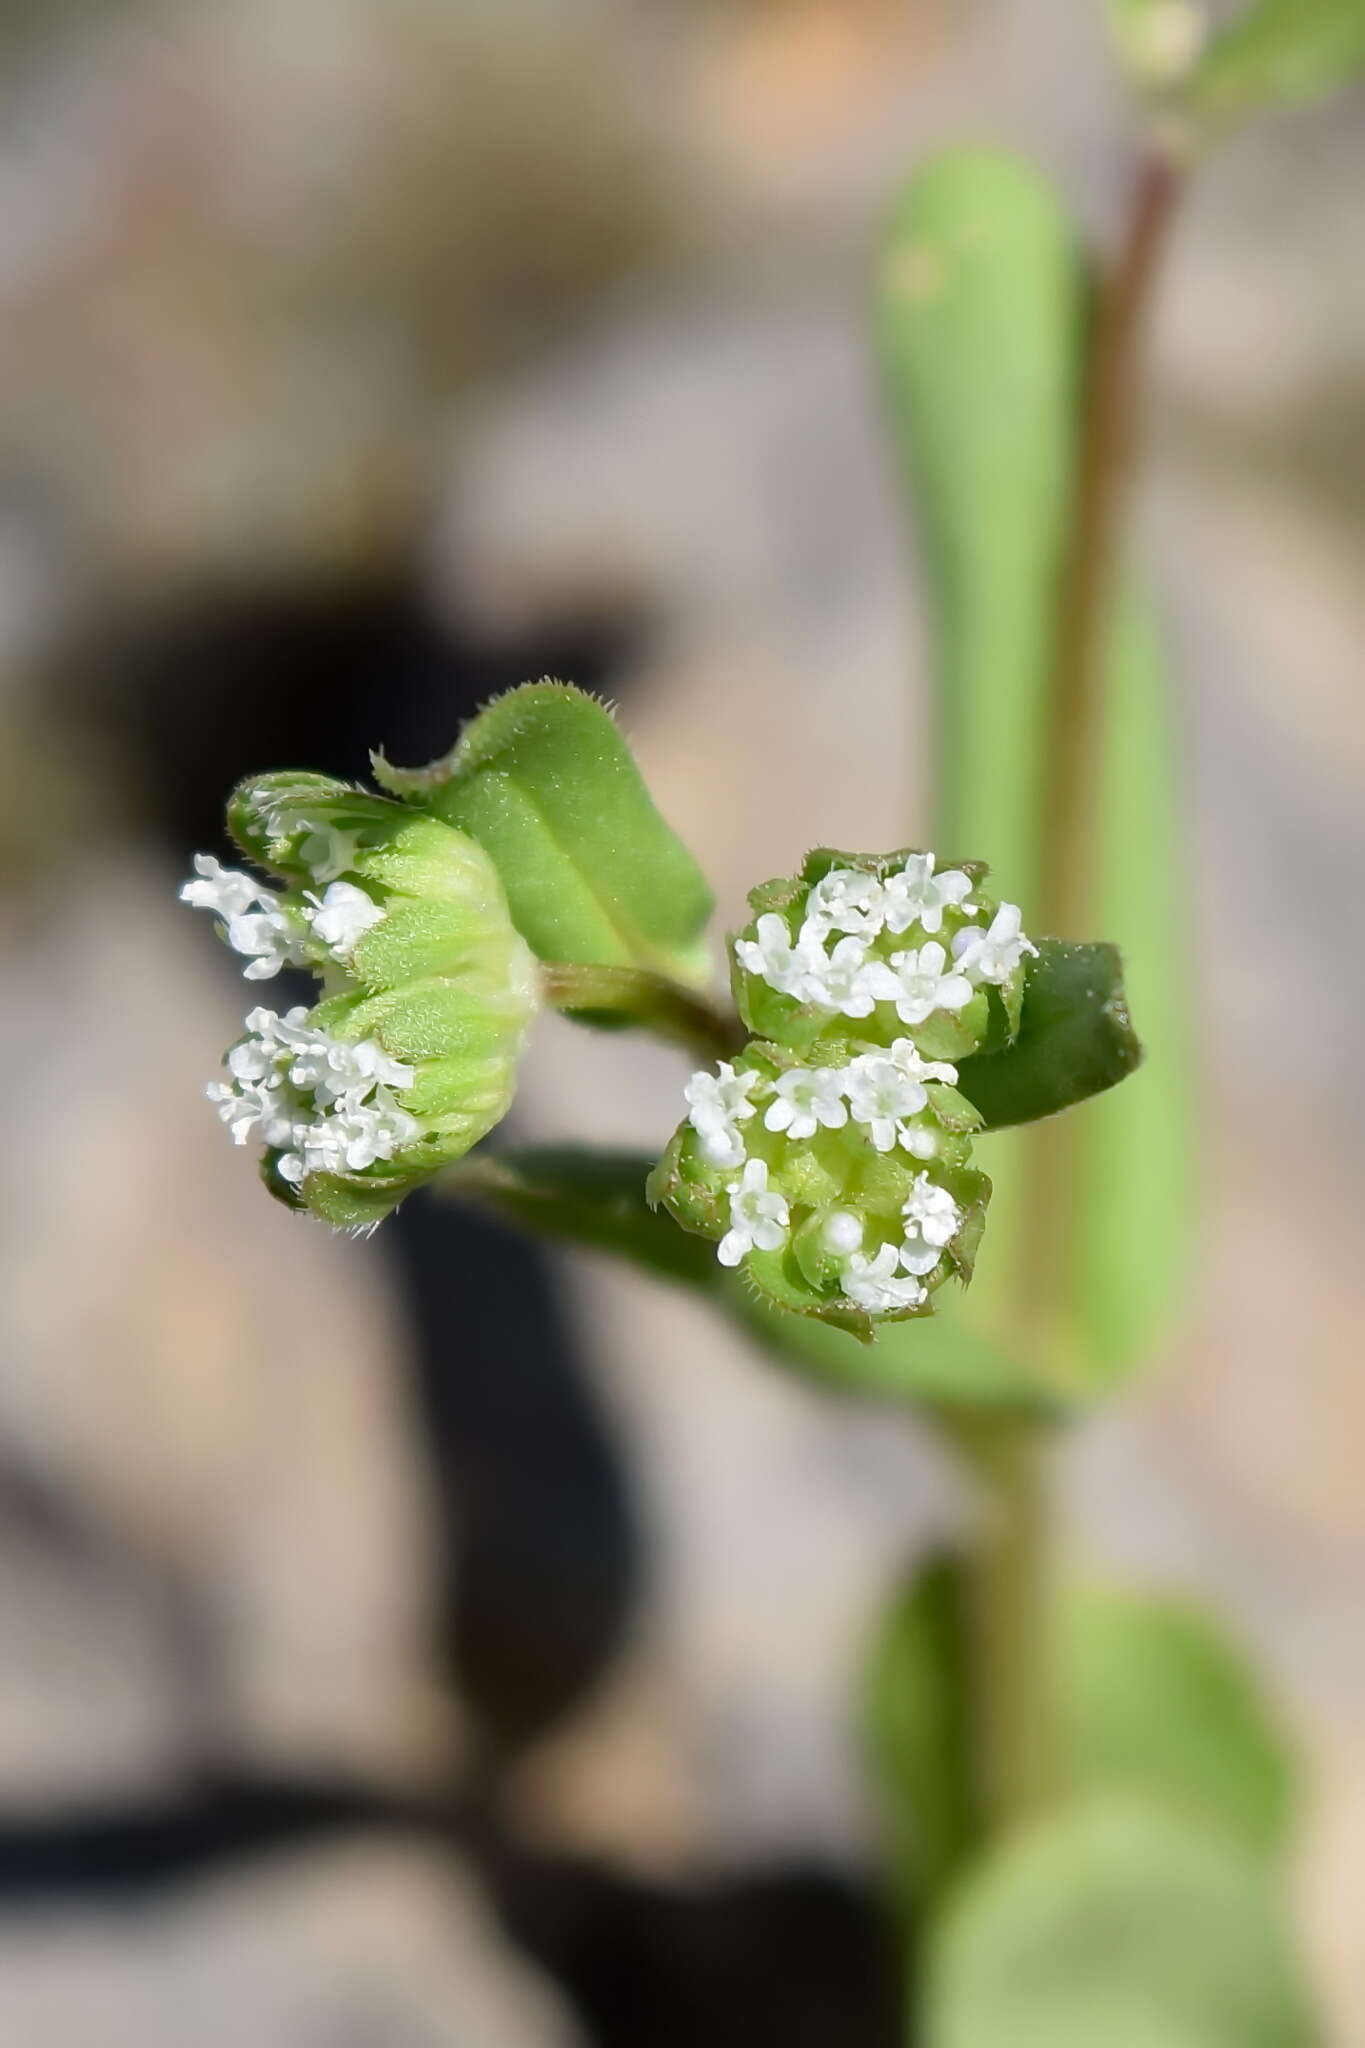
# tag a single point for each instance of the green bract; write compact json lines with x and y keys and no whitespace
{"x":832,"y":1158}
{"x":410,"y":1056}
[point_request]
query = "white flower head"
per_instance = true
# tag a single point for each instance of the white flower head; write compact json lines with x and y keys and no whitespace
{"x":880,"y":1093}
{"x":918,"y":896}
{"x":324,"y":1105}
{"x":717,"y":1104}
{"x":806,"y":1098}
{"x":758,"y":1219}
{"x":845,"y":900}
{"x":771,"y":956}
{"x":872,"y":1283}
{"x":993,"y":954}
{"x":926,"y":983}
{"x":932,"y":1220}
{"x":341,"y":916}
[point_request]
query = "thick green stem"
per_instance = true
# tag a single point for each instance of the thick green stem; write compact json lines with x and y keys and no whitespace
{"x":651,"y":1002}
{"x":1007,"y":1601}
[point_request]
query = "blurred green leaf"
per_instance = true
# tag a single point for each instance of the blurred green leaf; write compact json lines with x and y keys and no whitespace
{"x":1135,"y":1150}
{"x":1075,"y":1039}
{"x":982,"y":315}
{"x":979,"y":318}
{"x":1157,"y":1702}
{"x":1278,"y":53}
{"x":1114,"y":1925}
{"x":917,"y":1731}
{"x":543,"y":779}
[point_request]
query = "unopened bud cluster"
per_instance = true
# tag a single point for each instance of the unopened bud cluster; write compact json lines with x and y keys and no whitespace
{"x":831,"y":1158}
{"x":410,"y":1055}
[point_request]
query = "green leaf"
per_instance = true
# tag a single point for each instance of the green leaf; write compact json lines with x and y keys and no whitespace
{"x":1278,"y":53}
{"x":1075,"y":1039}
{"x":981,"y":320}
{"x":597,"y":1200}
{"x":917,"y":1731}
{"x":1114,"y":1925}
{"x":1157,"y":1702}
{"x":543,"y":779}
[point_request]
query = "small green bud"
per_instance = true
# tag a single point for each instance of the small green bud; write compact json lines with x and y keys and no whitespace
{"x":411,"y":1055}
{"x":832,"y":1159}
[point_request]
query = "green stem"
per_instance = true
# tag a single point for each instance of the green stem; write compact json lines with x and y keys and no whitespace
{"x":1007,"y":1622}
{"x":632,"y":995}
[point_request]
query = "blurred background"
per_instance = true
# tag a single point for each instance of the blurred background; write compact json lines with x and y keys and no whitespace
{"x":437,"y":1641}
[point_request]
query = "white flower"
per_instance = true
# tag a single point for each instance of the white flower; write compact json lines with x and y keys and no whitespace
{"x":993,"y":955}
{"x":907,"y":1056}
{"x":772,"y":957}
{"x":918,"y":896}
{"x":880,"y":1093}
{"x":871,"y":1283}
{"x":717,"y":1104}
{"x":250,"y":917}
{"x":341,"y":916}
{"x":804,"y":1099}
{"x":932,"y":1219}
{"x":848,"y":980}
{"x":328,"y":850}
{"x":267,"y":938}
{"x":227,"y":892}
{"x":923,"y":986}
{"x":917,"y":1141}
{"x":843,"y":1231}
{"x":844,"y":900}
{"x":757,"y":1218}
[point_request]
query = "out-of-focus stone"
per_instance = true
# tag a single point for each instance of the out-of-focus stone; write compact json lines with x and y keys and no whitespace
{"x":319,"y":1950}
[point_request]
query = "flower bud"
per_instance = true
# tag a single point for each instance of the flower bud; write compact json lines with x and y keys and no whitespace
{"x":832,"y":1159}
{"x":411,"y":1055}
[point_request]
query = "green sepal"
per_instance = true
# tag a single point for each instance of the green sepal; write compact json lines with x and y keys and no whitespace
{"x":777,"y":1277}
{"x":544,"y":781}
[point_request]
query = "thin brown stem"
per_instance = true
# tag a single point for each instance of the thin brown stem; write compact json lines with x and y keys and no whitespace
{"x":649,"y":1001}
{"x":1104,"y":452}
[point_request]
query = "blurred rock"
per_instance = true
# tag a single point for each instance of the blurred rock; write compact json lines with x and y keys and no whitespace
{"x":363,"y":1948}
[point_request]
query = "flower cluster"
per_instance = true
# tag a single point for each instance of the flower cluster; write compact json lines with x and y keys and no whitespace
{"x":410,"y":1056}
{"x":909,"y":941}
{"x":831,"y":1158}
{"x":323,"y":1104}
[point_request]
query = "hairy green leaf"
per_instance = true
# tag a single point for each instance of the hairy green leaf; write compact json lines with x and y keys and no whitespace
{"x":1115,"y":1925}
{"x":544,"y":781}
